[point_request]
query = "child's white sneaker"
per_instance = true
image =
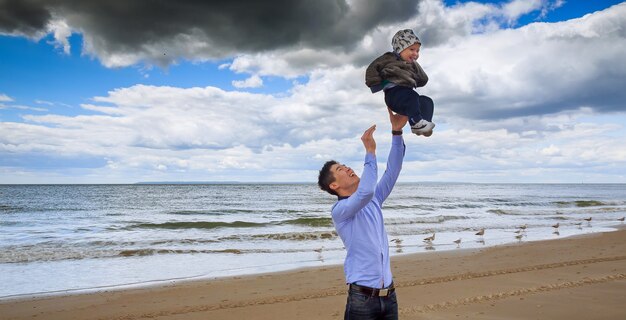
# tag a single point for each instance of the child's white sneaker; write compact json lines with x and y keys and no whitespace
{"x":422,"y":127}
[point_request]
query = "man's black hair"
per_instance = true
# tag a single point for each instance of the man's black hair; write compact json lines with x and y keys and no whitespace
{"x":326,"y":177}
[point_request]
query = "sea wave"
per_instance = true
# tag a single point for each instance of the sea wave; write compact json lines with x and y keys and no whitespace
{"x":25,"y":254}
{"x":200,"y":212}
{"x":10,"y":209}
{"x":10,"y":223}
{"x":433,"y":207}
{"x":422,"y":219}
{"x":33,"y":209}
{"x":298,"y":211}
{"x":310,"y":221}
{"x":295,"y":236}
{"x":303,"y":221}
{"x":197,"y":225}
{"x":507,"y":212}
{"x":415,"y":207}
{"x":570,"y":210}
{"x":462,"y":206}
{"x":150,"y":251}
{"x":49,"y":253}
{"x":580,"y":203}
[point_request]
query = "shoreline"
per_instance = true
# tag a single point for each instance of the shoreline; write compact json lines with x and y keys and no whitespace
{"x":397,"y":251}
{"x":581,"y":276}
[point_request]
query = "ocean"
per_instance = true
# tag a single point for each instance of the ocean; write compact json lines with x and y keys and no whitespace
{"x":76,"y":238}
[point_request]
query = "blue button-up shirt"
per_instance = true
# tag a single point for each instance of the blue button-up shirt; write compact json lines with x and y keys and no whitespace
{"x":358,"y":220}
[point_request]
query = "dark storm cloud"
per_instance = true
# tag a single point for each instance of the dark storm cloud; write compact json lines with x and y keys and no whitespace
{"x":225,"y":27}
{"x":23,"y":17}
{"x":605,"y":94}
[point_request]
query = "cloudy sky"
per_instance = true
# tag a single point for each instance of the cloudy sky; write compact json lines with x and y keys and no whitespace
{"x":267,"y":91}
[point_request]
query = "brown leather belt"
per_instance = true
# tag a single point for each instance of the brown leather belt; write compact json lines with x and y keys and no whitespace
{"x":373,"y":292}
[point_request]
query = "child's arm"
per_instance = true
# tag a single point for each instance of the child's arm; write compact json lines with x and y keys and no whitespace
{"x":373,"y":80}
{"x":421,"y":78}
{"x":400,"y":73}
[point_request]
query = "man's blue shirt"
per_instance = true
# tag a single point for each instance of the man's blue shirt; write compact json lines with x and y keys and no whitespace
{"x":359,"y":221}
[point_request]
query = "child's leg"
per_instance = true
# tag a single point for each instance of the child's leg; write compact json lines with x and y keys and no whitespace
{"x":427,"y":107}
{"x":404,"y":101}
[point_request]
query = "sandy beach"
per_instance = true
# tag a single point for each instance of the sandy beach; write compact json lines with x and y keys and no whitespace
{"x":574,"y":278}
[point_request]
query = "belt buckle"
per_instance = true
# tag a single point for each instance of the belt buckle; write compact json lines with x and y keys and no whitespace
{"x":383,"y":292}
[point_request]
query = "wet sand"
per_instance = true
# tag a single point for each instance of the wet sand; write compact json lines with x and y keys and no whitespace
{"x":574,"y":278}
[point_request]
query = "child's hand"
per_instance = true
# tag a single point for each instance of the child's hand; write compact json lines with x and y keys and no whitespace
{"x":398,"y":121}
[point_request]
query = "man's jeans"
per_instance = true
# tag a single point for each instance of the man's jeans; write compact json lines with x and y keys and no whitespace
{"x":363,"y":307}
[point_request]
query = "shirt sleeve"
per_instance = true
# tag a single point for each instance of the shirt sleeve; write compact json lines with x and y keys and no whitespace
{"x":394,"y":165}
{"x":347,"y":208}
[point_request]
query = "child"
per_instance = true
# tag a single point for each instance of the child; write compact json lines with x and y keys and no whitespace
{"x":397,"y":73}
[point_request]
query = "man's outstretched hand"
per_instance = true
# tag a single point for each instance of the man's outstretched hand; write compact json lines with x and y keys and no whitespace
{"x":368,"y":140}
{"x":398,"y":121}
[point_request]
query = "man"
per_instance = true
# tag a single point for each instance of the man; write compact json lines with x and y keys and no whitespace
{"x":358,"y":219}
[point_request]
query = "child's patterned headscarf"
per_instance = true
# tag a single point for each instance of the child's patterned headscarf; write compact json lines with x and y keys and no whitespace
{"x":404,"y":39}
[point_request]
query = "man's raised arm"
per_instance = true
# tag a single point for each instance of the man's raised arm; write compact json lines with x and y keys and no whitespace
{"x":346,"y":209}
{"x":396,"y":156}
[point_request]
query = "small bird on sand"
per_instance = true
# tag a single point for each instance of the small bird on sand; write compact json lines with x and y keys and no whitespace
{"x":430,"y":239}
{"x":556,"y":226}
{"x":587,"y":219}
{"x":621,"y":219}
{"x":458,"y":242}
{"x":397,"y":241}
{"x":519,"y":237}
{"x":481,"y":232}
{"x":523,"y":227}
{"x":320,"y":256}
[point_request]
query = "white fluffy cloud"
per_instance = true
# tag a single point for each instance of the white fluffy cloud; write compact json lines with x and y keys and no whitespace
{"x":537,"y":69}
{"x":5,"y":98}
{"x":61,"y":32}
{"x":161,"y":133}
{"x":514,"y":9}
{"x":253,"y":82}
{"x":540,"y":103}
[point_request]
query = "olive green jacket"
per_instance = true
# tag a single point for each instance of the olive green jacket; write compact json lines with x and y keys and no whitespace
{"x":391,"y":68}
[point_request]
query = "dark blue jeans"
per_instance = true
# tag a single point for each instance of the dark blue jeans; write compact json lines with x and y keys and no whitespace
{"x":407,"y":102}
{"x":364,"y":307}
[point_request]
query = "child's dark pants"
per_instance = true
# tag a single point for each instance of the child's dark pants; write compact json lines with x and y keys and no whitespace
{"x":407,"y":102}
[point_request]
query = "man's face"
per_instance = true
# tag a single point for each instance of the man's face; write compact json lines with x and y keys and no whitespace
{"x":344,"y":177}
{"x":411,"y":53}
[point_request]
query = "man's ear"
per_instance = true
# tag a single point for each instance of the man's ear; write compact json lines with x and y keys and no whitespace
{"x":333,"y":186}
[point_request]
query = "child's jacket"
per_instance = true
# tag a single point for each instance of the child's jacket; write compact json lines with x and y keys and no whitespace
{"x":391,"y":68}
